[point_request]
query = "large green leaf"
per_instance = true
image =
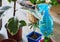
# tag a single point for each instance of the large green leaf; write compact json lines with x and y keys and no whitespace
{"x":13,"y":26}
{"x":14,"y":0}
{"x":54,"y":2}
{"x":37,"y":1}
{"x":9,"y":0}
{"x":33,"y":1}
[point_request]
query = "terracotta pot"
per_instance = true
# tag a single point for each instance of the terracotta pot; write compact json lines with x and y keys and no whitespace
{"x":17,"y":37}
{"x":43,"y":40}
{"x":8,"y":40}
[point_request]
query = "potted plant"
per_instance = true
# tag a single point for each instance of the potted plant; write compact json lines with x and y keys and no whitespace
{"x":33,"y":36}
{"x":47,"y":38}
{"x":14,"y":26}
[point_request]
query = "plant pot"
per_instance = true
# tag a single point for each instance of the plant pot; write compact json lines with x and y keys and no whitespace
{"x":34,"y":37}
{"x":8,"y":40}
{"x":17,"y":37}
{"x":51,"y":40}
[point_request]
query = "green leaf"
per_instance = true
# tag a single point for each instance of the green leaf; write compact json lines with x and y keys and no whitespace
{"x":31,"y":26}
{"x":46,"y":39}
{"x":22,"y":23}
{"x":13,"y":26}
{"x":54,"y":2}
{"x":9,"y":0}
{"x":14,"y":0}
{"x":33,"y":1}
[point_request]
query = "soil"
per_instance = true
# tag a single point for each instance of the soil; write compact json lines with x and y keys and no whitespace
{"x":34,"y":36}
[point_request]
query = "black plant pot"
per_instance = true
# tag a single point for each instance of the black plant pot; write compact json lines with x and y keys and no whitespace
{"x":34,"y":37}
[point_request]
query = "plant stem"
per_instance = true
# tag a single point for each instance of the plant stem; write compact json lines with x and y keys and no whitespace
{"x":46,"y":39}
{"x":14,"y":8}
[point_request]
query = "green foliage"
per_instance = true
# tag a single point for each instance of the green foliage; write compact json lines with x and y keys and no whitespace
{"x":22,"y":23}
{"x":46,"y":39}
{"x":34,"y":26}
{"x":11,"y":0}
{"x":37,"y":1}
{"x":14,"y":0}
{"x":13,"y":25}
{"x":33,"y":1}
{"x":54,"y":2}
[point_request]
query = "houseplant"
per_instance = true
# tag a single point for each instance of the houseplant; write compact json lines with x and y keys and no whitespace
{"x":14,"y":26}
{"x":33,"y":36}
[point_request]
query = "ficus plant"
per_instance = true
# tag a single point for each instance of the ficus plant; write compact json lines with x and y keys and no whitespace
{"x":13,"y":24}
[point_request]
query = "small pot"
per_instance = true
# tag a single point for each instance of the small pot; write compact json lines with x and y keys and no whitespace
{"x":32,"y":38}
{"x":51,"y":40}
{"x":8,"y":40}
{"x":17,"y":37}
